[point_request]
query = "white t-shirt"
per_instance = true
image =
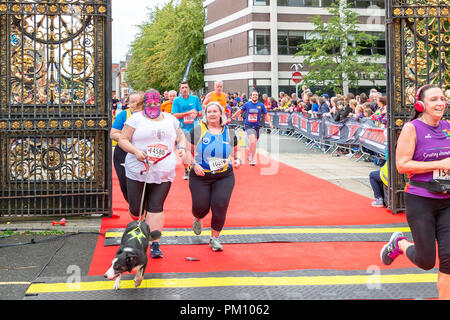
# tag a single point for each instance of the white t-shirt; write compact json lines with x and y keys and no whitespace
{"x":148,"y":133}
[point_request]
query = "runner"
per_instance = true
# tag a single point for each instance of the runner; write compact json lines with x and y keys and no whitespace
{"x":423,"y":153}
{"x":219,"y":96}
{"x":186,"y":108}
{"x":166,"y":106}
{"x":254,"y":110}
{"x":136,"y":104}
{"x":214,"y":152}
{"x":151,"y":134}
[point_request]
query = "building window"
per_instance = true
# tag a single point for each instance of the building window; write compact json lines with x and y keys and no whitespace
{"x":365,"y":3}
{"x":262,"y":89}
{"x":380,"y":43}
{"x":312,"y":3}
{"x":259,"y":42}
{"x":258,"y":3}
{"x":291,"y":3}
{"x":327,"y":3}
{"x":305,"y":3}
{"x":378,"y":47}
{"x":289,"y":41}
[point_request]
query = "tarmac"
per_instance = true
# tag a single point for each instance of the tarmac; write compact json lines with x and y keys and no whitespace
{"x":23,"y":258}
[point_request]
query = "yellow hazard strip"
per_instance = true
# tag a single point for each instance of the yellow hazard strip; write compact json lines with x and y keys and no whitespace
{"x":280,"y":231}
{"x":233,"y":281}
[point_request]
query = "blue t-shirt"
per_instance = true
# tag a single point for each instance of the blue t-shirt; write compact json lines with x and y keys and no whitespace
{"x":254,"y":112}
{"x":315,"y":107}
{"x":119,"y":120}
{"x":181,"y":105}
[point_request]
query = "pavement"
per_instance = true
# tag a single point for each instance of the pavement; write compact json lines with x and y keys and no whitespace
{"x":23,"y":258}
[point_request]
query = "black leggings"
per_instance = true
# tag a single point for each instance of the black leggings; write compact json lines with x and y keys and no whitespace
{"x":429,"y":221}
{"x":155,"y":196}
{"x":212,"y":191}
{"x":118,"y":159}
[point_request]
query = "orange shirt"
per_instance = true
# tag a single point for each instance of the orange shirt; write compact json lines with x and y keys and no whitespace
{"x":222,"y":98}
{"x":167,"y":106}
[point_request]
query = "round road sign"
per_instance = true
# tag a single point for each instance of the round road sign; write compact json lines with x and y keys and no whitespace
{"x":297,"y":77}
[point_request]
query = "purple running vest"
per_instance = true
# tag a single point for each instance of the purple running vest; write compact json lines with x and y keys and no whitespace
{"x":432,"y":143}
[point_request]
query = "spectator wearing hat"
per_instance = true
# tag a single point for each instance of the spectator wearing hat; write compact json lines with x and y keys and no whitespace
{"x":327,"y":99}
{"x":323,"y":106}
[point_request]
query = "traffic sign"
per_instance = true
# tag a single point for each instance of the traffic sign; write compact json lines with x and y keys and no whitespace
{"x":297,"y":77}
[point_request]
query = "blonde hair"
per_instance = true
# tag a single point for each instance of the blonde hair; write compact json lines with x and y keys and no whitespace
{"x":353,"y":102}
{"x":359,"y":108}
{"x":140,"y":97}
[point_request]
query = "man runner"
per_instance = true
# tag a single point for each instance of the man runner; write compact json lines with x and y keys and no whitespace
{"x":186,"y":108}
{"x":219,"y":96}
{"x":254,"y":110}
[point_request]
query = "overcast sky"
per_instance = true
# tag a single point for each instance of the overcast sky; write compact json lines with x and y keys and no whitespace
{"x":127,"y":15}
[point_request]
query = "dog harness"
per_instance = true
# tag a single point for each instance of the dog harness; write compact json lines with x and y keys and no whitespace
{"x":137,"y":234}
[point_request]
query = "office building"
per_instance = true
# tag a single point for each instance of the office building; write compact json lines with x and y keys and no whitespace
{"x":251,"y":43}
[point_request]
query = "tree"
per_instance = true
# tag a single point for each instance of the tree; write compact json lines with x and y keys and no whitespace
{"x":165,"y":44}
{"x":334,"y":52}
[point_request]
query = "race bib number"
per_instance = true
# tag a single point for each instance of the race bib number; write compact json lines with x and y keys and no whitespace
{"x":156,"y":151}
{"x":441,"y":174}
{"x":216,"y":164}
{"x":189,"y":119}
{"x":252,"y":117}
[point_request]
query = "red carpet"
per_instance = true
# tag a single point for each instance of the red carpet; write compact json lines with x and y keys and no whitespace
{"x":285,"y":197}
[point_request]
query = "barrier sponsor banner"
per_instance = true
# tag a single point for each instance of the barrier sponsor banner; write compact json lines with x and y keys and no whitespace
{"x":373,"y":138}
{"x":283,"y":120}
{"x":334,"y":132}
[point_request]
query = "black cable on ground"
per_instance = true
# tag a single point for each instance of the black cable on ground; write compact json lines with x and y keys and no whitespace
{"x":33,"y":241}
{"x":50,"y":260}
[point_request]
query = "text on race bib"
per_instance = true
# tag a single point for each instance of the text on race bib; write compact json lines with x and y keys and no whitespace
{"x":189,"y":119}
{"x":157,"y":151}
{"x":252,"y":117}
{"x":216,"y":164}
{"x":441,"y":174}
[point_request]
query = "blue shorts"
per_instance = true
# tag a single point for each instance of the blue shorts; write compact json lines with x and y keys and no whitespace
{"x":252,"y":130}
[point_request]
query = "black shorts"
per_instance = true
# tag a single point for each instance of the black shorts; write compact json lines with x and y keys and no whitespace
{"x":252,"y":130}
{"x":155,"y":196}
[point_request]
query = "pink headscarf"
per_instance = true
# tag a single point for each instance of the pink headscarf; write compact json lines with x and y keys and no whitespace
{"x":152,"y":111}
{"x":152,"y":97}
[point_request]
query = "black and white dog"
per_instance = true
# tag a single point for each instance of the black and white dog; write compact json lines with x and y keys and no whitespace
{"x":132,"y":253}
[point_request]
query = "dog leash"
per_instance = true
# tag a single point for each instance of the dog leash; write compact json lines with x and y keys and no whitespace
{"x":147,"y":169}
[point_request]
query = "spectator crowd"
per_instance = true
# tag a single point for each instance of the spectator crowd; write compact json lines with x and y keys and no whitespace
{"x":338,"y":107}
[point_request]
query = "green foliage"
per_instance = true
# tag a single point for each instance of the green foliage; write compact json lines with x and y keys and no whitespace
{"x":333,"y":54}
{"x":165,"y":44}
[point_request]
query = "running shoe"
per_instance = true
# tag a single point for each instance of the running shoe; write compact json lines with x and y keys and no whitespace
{"x":252,"y":163}
{"x":197,"y":227}
{"x":378,"y":203}
{"x":391,"y":250}
{"x":215,"y":245}
{"x":155,"y":251}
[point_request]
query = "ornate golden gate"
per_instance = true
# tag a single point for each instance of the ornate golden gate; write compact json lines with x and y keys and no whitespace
{"x":54,"y":107}
{"x":418,"y":43}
